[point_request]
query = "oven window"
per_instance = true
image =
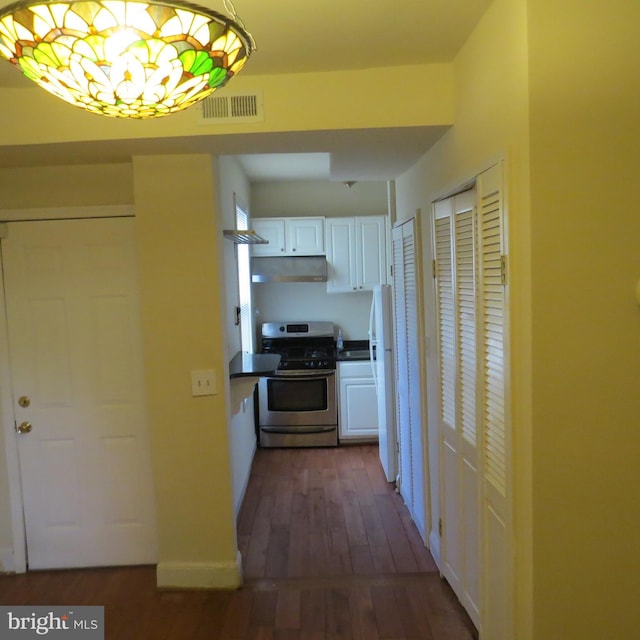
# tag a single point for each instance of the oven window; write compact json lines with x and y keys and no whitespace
{"x":297,"y":395}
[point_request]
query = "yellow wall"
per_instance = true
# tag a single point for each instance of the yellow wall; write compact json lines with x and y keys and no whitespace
{"x":292,"y":102}
{"x":562,"y":76}
{"x":585,"y":133}
{"x":180,"y":293}
{"x":66,"y":186}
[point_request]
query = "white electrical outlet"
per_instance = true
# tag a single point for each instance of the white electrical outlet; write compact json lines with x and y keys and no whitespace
{"x":203,"y":382}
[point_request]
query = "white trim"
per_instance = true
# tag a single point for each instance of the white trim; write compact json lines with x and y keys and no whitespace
{"x":200,"y":575}
{"x":434,"y":548}
{"x":245,"y":483}
{"x":7,"y":417}
{"x":459,"y":185}
{"x":7,"y":561}
{"x":63,"y":213}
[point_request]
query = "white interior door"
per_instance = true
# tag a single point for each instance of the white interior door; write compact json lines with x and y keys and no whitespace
{"x":76,"y":369}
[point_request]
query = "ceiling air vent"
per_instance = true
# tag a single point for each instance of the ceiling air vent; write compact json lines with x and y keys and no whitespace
{"x":231,"y":108}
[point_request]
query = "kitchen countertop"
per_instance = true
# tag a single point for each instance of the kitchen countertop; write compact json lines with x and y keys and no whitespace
{"x":354,"y":350}
{"x":244,"y":365}
{"x":244,"y":371}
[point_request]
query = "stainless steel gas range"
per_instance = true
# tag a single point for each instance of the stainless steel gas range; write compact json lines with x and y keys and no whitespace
{"x":297,"y":406}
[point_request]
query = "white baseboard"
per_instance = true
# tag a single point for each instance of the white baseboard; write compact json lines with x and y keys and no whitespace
{"x":434,"y":547}
{"x":7,"y":560}
{"x":245,"y":483}
{"x":200,"y":575}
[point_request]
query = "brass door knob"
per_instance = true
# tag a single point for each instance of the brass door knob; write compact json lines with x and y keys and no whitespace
{"x":24,"y":427}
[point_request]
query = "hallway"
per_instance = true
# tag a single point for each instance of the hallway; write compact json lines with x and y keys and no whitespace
{"x":329,"y":554}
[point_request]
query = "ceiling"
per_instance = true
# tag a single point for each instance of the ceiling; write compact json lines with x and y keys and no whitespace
{"x":292,"y":166}
{"x":323,"y":35}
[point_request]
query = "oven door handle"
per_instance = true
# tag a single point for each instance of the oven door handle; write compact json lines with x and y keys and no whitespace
{"x":317,"y":375}
{"x":299,"y":430}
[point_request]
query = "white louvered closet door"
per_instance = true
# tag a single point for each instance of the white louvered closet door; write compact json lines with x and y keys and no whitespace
{"x":454,"y":226}
{"x":494,"y":419}
{"x":402,"y":369}
{"x":409,"y":409}
{"x":471,"y":315}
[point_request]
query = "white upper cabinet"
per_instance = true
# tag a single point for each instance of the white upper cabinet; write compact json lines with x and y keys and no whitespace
{"x":289,"y":236}
{"x":371,"y":252}
{"x":305,"y":236}
{"x":341,"y":255}
{"x":271,"y":229}
{"x":356,"y":253}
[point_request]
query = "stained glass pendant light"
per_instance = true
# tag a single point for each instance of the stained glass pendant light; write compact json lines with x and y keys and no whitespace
{"x":124,"y":58}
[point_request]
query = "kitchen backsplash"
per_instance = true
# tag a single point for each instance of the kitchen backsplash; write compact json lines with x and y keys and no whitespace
{"x":296,"y":301}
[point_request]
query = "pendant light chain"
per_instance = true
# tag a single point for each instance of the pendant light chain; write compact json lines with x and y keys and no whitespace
{"x":231,"y":10}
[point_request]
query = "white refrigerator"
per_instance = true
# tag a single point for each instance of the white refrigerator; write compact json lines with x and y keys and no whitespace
{"x":380,"y":346}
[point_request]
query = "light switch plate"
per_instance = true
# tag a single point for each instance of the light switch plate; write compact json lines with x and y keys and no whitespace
{"x":203,"y":382}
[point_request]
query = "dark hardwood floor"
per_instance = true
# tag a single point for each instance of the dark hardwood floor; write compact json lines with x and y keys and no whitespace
{"x":330,"y":553}
{"x":326,"y":512}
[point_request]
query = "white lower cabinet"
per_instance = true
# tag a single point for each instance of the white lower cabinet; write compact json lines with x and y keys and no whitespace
{"x":358,"y":416}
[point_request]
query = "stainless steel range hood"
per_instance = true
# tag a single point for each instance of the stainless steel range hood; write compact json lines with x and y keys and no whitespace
{"x":289,"y":269}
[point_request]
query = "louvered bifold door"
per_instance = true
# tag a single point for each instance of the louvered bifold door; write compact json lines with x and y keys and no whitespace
{"x":471,"y":297}
{"x":454,"y":227}
{"x":409,"y":412}
{"x":467,"y":391}
{"x":412,"y":288}
{"x":451,"y":529}
{"x":400,"y":332}
{"x":496,"y":516}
